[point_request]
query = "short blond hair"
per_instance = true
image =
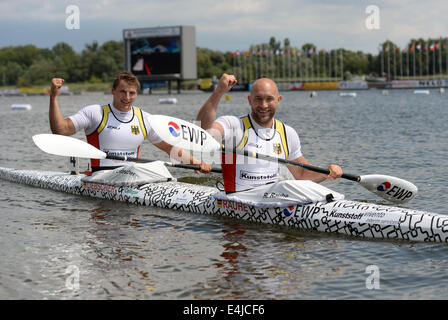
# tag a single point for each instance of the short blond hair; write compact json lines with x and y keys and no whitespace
{"x":128,"y":77}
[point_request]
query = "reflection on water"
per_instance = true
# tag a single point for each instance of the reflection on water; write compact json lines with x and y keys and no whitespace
{"x":233,"y":253}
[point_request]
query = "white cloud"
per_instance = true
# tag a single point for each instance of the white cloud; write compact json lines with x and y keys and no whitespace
{"x":231,"y":24}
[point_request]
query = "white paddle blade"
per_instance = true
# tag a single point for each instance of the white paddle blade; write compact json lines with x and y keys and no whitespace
{"x":66,"y":146}
{"x":183,"y":134}
{"x":390,"y":188}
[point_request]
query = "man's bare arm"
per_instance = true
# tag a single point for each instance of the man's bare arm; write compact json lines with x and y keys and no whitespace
{"x":207,"y":114}
{"x":58,"y":124}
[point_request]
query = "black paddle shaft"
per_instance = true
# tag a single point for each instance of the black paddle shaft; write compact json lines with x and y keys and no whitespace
{"x":292,"y":163}
{"x":175,"y":165}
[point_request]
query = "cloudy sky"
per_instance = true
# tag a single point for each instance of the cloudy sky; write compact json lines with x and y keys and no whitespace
{"x":227,"y":25}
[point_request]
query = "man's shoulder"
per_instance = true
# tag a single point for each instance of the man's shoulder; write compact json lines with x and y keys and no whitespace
{"x":229,"y":121}
{"x":290,"y":131}
{"x":93,"y":107}
{"x":144,"y":113}
{"x":287,"y":126}
{"x":228,"y":117}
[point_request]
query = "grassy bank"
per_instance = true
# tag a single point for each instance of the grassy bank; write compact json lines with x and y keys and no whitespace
{"x":73,"y":87}
{"x":96,"y":87}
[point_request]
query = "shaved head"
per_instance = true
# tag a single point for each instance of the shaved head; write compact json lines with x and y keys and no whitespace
{"x":264,"y":100}
{"x":264,"y":83}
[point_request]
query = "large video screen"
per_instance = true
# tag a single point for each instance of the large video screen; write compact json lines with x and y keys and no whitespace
{"x":156,"y":55}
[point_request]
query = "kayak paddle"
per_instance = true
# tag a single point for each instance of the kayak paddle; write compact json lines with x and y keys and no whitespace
{"x":70,"y":147}
{"x":190,"y":136}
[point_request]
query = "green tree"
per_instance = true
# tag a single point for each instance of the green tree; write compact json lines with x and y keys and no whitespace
{"x":10,"y":73}
{"x":40,"y":72}
{"x":356,"y":63}
{"x":212,"y":63}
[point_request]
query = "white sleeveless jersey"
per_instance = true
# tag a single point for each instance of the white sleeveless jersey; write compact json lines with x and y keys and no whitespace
{"x":118,"y":138}
{"x":243,"y":173}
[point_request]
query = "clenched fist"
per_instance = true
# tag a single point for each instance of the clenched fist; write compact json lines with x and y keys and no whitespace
{"x":226,"y":82}
{"x":56,"y":84}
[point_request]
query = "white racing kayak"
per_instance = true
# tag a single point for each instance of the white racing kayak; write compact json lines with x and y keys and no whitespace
{"x":352,"y":218}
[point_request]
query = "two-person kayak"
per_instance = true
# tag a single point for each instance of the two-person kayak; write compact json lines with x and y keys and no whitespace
{"x":365,"y":220}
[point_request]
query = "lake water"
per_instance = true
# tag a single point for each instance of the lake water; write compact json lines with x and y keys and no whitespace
{"x":122,"y":251}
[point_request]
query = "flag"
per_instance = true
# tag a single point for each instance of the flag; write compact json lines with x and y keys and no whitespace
{"x":419,"y":47}
{"x":431,"y":48}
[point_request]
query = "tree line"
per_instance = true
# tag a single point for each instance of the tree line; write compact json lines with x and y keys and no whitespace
{"x":28,"y":65}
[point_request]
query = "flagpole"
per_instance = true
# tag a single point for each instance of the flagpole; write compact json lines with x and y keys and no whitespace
{"x":407,"y":62}
{"x":446,"y":53}
{"x":440,"y":57}
{"x":420,"y":60}
{"x":335,"y":58}
{"x":255,"y":59}
{"x":289,"y":64}
{"x":240,"y":73}
{"x":295,"y":65}
{"x":382,"y":60}
{"x":342,"y":65}
{"x":427,"y":59}
{"x":234,"y":62}
{"x":268,"y":59}
{"x":395,"y":62}
{"x":413,"y":69}
{"x":306,"y":64}
{"x":324,"y":71}
{"x":277,"y":64}
{"x":266,"y":62}
{"x":433,"y":61}
{"x":388,"y":61}
{"x":245,"y":67}
{"x":317,"y":66}
{"x":334,"y":64}
{"x":312,"y":64}
{"x":250,"y":67}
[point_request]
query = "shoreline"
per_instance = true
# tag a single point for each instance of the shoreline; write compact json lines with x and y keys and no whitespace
{"x":191,"y":86}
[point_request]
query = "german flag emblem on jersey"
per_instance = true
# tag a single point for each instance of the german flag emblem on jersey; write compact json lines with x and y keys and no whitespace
{"x":277,"y":148}
{"x":135,"y":130}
